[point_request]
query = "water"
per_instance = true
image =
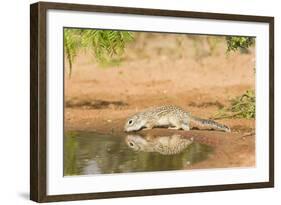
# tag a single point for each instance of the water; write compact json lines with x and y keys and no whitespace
{"x":92,"y":153}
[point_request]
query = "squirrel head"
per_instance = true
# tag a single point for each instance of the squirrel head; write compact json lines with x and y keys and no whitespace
{"x":133,"y":123}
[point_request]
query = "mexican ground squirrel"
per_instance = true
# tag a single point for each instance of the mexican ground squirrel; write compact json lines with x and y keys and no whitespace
{"x":169,"y":116}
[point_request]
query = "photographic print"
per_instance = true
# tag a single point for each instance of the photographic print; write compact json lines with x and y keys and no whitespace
{"x":148,"y":101}
{"x":135,"y":102}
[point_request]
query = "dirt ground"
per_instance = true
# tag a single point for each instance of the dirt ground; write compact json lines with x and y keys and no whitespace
{"x":194,"y":74}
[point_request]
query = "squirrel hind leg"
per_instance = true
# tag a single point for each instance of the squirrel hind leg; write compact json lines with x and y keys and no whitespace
{"x":177,"y":125}
{"x":185,"y":127}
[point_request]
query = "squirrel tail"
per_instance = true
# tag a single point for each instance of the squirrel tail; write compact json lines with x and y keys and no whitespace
{"x":210,"y":124}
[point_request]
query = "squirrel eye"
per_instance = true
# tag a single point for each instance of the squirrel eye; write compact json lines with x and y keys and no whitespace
{"x":130,"y":122}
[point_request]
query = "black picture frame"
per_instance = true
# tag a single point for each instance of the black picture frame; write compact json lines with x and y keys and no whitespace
{"x":38,"y":100}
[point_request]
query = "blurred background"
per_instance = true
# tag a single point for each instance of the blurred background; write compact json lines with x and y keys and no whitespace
{"x":112,"y":74}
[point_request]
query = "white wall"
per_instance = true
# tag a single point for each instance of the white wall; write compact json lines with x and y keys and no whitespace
{"x":14,"y":101}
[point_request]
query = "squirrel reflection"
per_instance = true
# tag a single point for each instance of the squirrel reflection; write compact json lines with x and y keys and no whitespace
{"x":165,"y":145}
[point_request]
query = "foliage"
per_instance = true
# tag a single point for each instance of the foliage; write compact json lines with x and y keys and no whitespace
{"x":234,"y":42}
{"x":72,"y":43}
{"x":241,"y":107}
{"x":106,"y":45}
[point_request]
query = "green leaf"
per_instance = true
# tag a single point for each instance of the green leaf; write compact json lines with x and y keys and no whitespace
{"x":234,"y":42}
{"x":106,"y":45}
